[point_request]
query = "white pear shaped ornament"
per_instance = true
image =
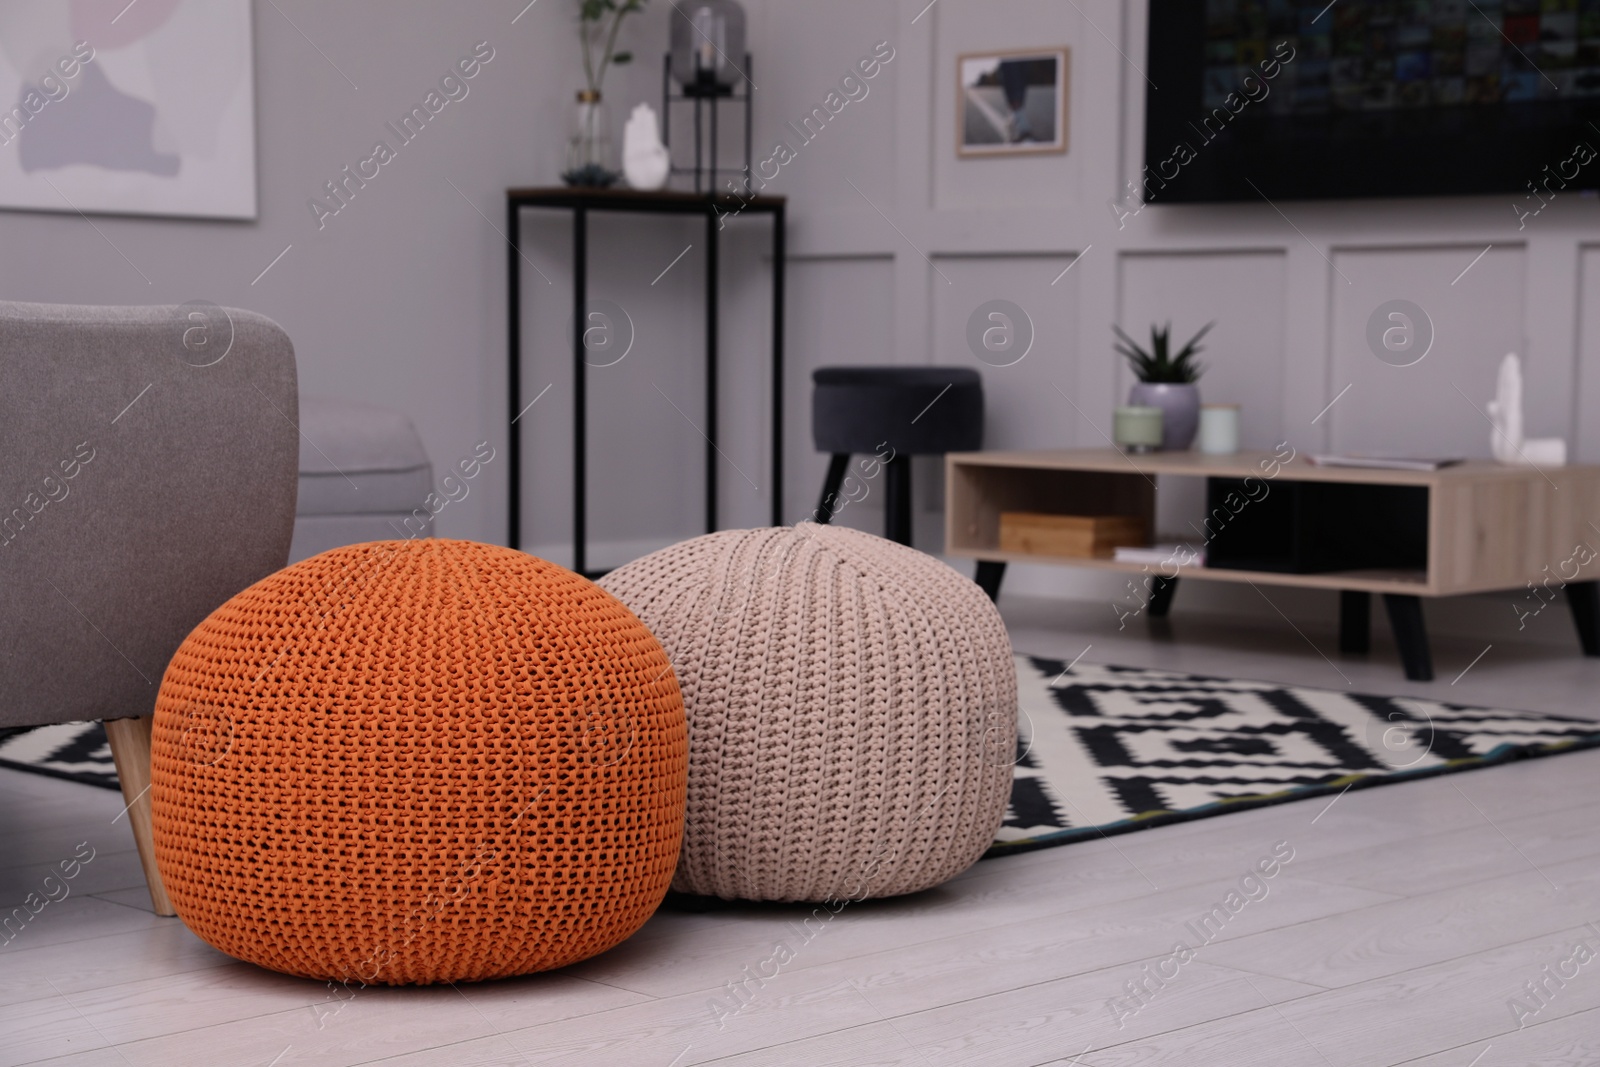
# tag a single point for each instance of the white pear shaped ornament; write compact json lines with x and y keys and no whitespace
{"x":1506,"y":440}
{"x":645,"y":159}
{"x":1505,"y":412}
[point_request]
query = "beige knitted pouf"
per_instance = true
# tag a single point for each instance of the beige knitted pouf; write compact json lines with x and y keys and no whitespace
{"x":852,"y":711}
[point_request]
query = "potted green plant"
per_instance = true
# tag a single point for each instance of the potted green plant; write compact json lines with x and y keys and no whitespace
{"x":1166,"y":381}
{"x":589,"y":145}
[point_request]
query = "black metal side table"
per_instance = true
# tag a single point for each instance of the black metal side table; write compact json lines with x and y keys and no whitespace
{"x":580,"y":202}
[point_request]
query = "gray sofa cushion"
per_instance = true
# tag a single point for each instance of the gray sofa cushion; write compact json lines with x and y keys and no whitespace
{"x":358,"y":459}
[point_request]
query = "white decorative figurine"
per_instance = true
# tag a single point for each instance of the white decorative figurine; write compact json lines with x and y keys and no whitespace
{"x":1505,"y":412}
{"x":645,"y":159}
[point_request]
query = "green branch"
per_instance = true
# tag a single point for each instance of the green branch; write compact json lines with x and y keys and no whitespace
{"x":591,"y":18}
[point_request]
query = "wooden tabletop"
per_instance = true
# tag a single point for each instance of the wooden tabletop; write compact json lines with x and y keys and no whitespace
{"x":1240,"y":465}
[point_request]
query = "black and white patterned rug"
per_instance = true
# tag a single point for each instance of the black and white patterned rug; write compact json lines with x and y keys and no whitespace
{"x":1105,"y":750}
{"x":77,"y":751}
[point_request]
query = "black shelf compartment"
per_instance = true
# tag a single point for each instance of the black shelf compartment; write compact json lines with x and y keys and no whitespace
{"x":1315,"y":527}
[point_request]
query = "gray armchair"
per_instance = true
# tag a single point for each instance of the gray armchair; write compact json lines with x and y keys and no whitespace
{"x":149,"y":474}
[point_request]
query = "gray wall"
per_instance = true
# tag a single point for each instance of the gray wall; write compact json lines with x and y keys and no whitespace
{"x":894,"y":241}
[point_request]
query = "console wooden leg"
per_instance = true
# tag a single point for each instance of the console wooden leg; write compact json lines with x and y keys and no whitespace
{"x":1161,"y":593}
{"x":1584,"y":600}
{"x":1355,"y":621}
{"x":1410,"y":634}
{"x":130,"y":751}
{"x":990,"y":572}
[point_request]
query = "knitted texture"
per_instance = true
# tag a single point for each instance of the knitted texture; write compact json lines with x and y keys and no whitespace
{"x":418,"y":761}
{"x":852,"y":711}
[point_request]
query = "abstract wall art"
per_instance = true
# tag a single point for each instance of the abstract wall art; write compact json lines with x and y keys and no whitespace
{"x":144,"y":108}
{"x":1011,"y":102}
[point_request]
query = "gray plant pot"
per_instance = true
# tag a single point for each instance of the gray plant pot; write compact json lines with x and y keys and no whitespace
{"x":1180,"y":410}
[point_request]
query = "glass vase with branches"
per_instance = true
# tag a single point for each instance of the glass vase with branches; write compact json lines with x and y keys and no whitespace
{"x":589,"y":147}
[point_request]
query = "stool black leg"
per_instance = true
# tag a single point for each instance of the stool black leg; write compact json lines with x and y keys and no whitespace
{"x":1355,"y":621}
{"x":990,"y":572}
{"x":897,"y":499}
{"x":837,"y":463}
{"x":1161,"y":593}
{"x":1584,"y":600}
{"x":1405,"y":616}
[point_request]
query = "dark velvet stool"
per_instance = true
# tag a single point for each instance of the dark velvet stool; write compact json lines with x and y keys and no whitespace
{"x":896,"y":411}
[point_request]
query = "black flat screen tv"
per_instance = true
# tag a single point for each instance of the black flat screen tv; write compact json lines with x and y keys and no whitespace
{"x":1280,"y":99}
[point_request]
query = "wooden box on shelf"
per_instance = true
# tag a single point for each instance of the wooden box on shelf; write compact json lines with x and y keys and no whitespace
{"x":1070,"y":536}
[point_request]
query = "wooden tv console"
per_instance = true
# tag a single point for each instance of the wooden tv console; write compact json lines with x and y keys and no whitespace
{"x":1471,"y":528}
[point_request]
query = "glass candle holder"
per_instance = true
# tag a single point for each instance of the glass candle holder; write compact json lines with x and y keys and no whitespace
{"x":1219,"y":429}
{"x":1137,"y":429}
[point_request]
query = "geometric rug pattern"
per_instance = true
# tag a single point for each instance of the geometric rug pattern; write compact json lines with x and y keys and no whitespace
{"x":1105,"y":750}
{"x":77,"y":751}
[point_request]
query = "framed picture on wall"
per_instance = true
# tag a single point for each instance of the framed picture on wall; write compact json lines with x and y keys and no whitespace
{"x":145,"y":108}
{"x":1011,"y":103}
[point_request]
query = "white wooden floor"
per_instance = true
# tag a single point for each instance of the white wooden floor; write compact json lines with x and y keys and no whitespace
{"x":1408,"y":919}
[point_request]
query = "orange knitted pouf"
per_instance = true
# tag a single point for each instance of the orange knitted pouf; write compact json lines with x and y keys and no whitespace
{"x":418,"y":761}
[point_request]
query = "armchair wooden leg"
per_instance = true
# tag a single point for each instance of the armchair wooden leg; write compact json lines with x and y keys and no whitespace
{"x":130,"y":750}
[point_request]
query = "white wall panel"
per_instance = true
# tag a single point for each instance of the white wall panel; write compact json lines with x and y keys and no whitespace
{"x":1433,"y":407}
{"x":1029,"y":403}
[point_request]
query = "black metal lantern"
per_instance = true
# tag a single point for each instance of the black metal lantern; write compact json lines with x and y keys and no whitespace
{"x":705,"y":60}
{"x":707,"y":45}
